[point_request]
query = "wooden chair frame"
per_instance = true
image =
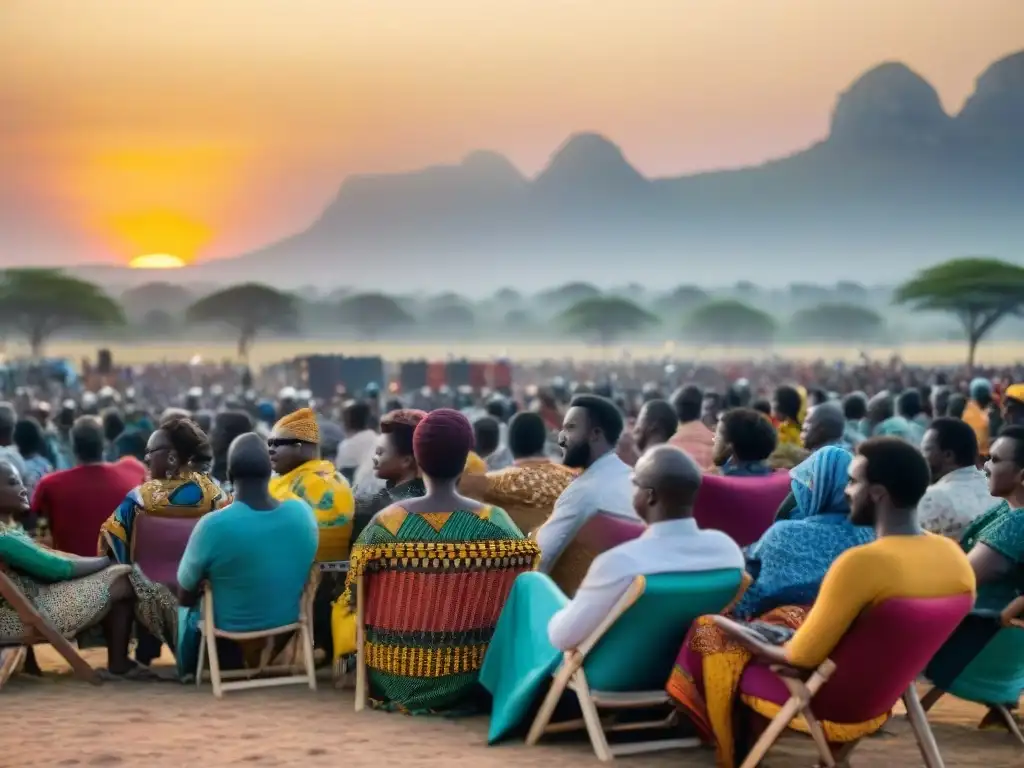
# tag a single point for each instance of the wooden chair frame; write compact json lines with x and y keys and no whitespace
{"x":802,"y":693}
{"x":571,"y":676}
{"x":40,"y":630}
{"x":242,"y":679}
{"x":931,"y":698}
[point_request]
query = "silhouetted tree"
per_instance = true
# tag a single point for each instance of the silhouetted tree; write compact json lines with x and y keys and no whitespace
{"x":805,"y":292}
{"x":507,"y":297}
{"x":837,"y":322}
{"x":683,"y":299}
{"x":728,"y":321}
{"x":39,"y":302}
{"x":451,"y":317}
{"x":567,"y":295}
{"x":372,"y":313}
{"x":606,"y":318}
{"x":979,"y":291}
{"x":517,"y":320}
{"x":249,"y":309}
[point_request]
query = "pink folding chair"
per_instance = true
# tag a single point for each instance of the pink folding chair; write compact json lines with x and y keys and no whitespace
{"x":742,"y":507}
{"x":875,"y":664}
{"x":158,"y":544}
{"x":599,"y":534}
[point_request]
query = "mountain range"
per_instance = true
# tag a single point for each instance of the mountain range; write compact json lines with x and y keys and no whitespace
{"x":897,"y":184}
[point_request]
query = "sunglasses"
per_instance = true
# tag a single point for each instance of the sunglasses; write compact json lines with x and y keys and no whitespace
{"x":282,"y":442}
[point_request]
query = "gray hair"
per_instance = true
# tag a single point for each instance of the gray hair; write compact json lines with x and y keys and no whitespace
{"x":831,"y":419}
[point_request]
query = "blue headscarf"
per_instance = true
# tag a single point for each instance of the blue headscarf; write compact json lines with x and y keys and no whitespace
{"x":819,"y":483}
{"x":791,"y":559}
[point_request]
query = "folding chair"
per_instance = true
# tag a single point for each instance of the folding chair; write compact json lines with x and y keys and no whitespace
{"x":39,"y":630}
{"x":625,"y":662}
{"x":242,"y":679}
{"x":875,"y":664}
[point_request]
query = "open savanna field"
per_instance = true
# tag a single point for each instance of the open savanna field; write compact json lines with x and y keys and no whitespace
{"x":269,"y":351}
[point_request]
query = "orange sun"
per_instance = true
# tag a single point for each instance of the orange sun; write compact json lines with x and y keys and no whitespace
{"x":157,"y":261}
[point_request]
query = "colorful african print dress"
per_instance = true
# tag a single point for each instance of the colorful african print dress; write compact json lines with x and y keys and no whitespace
{"x":433,"y":586}
{"x":327,"y":491}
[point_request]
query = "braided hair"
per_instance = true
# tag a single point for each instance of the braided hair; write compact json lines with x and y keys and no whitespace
{"x":189,"y":441}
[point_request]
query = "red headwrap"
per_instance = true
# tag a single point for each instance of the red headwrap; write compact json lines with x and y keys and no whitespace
{"x":441,"y":443}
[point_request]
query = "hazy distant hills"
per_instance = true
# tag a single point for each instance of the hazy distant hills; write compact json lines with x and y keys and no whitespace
{"x":897,"y":184}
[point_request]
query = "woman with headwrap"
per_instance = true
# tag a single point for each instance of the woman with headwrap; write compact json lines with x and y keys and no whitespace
{"x":422,"y":658}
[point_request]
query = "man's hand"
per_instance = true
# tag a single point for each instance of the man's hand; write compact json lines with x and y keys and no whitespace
{"x":1011,"y":615}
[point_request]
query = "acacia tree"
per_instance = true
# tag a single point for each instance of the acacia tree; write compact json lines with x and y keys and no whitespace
{"x":606,"y":318}
{"x":39,"y":302}
{"x":249,"y":309}
{"x":837,"y":322}
{"x":979,"y":291}
{"x":371,"y":313}
{"x":729,"y":321}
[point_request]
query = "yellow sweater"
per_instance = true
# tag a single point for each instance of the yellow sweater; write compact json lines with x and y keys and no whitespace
{"x":892,"y":566}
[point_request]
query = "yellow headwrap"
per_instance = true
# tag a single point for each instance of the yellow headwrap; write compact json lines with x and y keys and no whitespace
{"x":802,"y":414}
{"x":1015,"y":392}
{"x":300,"y":425}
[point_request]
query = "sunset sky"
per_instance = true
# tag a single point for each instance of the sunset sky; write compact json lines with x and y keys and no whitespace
{"x":203,"y":128}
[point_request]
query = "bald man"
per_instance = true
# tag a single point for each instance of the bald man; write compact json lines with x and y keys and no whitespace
{"x":665,"y":484}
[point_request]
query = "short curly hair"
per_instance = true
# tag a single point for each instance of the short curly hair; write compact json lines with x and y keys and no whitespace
{"x":188,"y":440}
{"x":750,"y":433}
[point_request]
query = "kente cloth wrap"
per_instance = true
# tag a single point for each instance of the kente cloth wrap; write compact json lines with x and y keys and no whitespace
{"x":300,"y":425}
{"x":434,"y":586}
{"x":190,"y":494}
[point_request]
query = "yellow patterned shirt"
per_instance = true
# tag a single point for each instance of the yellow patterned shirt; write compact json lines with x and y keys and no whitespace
{"x":327,"y":491}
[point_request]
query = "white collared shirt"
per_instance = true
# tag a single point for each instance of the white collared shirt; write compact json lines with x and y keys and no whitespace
{"x":604,"y":486}
{"x":953,"y":501}
{"x":673,"y":546}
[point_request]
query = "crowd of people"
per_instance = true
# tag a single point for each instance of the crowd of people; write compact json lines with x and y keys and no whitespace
{"x":908,"y":493}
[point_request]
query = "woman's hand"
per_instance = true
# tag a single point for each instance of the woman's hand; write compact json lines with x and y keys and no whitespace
{"x":1011,"y":615}
{"x":770,"y":654}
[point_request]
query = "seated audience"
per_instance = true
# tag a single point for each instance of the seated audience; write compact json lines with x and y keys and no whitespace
{"x":487,"y":436}
{"x":452,"y":527}
{"x":791,"y":559}
{"x":825,"y":425}
{"x":360,"y":439}
{"x":692,"y":435}
{"x":789,"y":408}
{"x":590,"y":432}
{"x":656,"y":424}
{"x":887,"y":479}
{"x":744,"y":441}
{"x":666,"y":481}
{"x":529,"y":488}
{"x":959,"y":492}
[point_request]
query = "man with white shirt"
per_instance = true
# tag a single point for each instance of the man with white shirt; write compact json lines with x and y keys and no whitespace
{"x":665,"y":483}
{"x":360,"y":441}
{"x":590,"y":432}
{"x":959,"y":491}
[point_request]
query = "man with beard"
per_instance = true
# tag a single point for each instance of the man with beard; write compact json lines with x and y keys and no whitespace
{"x":590,"y":432}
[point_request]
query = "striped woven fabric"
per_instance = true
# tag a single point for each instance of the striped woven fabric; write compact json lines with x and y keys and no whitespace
{"x":434,"y":586}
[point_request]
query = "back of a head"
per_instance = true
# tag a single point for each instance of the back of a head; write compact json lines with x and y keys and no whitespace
{"x":441,"y":444}
{"x":750,"y":433}
{"x":661,"y":416}
{"x":487,"y":435}
{"x":497,"y":407}
{"x":356,"y":416}
{"x":227,"y":425}
{"x":830,"y":419}
{"x":28,"y":437}
{"x":87,"y":440}
{"x":672,"y":474}
{"x":687,"y":402}
{"x":855,"y":406}
{"x":249,"y":459}
{"x":956,"y":406}
{"x":8,"y":418}
{"x":527,"y":435}
{"x":762,"y":405}
{"x":188,"y":440}
{"x":788,"y":401}
{"x":908,"y":404}
{"x":602,"y":414}
{"x":113,"y":423}
{"x":897,"y":466}
{"x":957,"y":437}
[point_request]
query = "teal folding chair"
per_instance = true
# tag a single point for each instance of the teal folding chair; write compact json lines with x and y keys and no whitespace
{"x":627,"y":660}
{"x":995,"y":678}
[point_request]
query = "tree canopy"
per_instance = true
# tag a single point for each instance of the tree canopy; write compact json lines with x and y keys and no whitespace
{"x":979,"y":291}
{"x":169,"y":298}
{"x":606,"y":318}
{"x":729,"y":321}
{"x":248,"y":308}
{"x":40,"y":302}
{"x":372,"y":313}
{"x":567,"y":295}
{"x":837,"y":322}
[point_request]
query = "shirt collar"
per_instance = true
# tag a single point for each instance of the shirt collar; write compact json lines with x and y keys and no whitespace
{"x":684,"y":527}
{"x":959,"y":474}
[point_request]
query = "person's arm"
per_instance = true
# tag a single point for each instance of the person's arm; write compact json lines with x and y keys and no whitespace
{"x":989,"y":565}
{"x":21,"y":553}
{"x":786,"y":508}
{"x":597,"y":595}
{"x":1013,"y":614}
{"x":850,"y":586}
{"x":195,"y":563}
{"x":556,"y":533}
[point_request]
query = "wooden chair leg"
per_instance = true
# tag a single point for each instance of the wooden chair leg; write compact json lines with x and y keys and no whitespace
{"x":211,"y":650}
{"x":592,"y":718}
{"x":772,"y":732}
{"x":306,"y":639}
{"x":547,"y":708}
{"x":931,"y":698}
{"x":820,"y":741}
{"x":922,"y":731}
{"x":361,"y":681}
{"x":201,"y":662}
{"x":1011,"y":722}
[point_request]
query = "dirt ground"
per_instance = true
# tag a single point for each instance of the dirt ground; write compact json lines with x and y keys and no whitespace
{"x":58,"y":721}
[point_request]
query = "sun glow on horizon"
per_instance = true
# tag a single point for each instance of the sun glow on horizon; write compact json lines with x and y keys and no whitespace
{"x":157,"y":261}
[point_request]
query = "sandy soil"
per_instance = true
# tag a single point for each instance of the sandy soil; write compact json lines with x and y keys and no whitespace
{"x":267,"y":351}
{"x":58,"y":721}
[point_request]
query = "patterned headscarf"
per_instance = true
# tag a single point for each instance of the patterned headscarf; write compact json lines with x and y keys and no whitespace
{"x":301,"y":425}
